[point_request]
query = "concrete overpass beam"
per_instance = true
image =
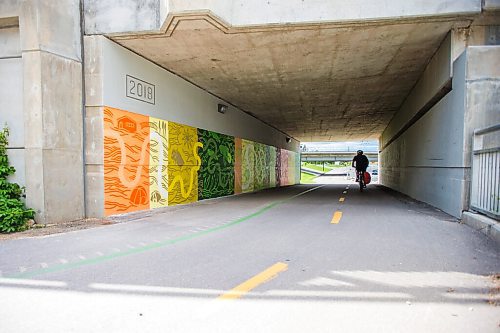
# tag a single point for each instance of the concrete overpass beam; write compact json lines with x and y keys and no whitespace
{"x":104,"y":17}
{"x":141,"y":16}
{"x":491,"y":5}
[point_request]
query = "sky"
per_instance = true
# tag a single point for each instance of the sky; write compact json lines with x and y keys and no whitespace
{"x":368,"y":146}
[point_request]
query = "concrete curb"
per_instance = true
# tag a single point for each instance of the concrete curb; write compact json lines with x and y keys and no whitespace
{"x":484,"y":224}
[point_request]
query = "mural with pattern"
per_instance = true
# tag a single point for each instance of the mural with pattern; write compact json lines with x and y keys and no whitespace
{"x":151,"y":163}
{"x":216,"y":175}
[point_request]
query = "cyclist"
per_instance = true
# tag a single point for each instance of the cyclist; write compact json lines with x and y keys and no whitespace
{"x":360,"y":162}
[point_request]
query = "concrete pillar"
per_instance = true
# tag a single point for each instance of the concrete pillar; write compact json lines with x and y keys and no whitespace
{"x":52,"y":107}
{"x":11,"y":97}
{"x":482,"y":99}
{"x":94,"y":126}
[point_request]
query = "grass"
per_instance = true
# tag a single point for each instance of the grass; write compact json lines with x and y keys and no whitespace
{"x":306,"y":178}
{"x":317,"y":167}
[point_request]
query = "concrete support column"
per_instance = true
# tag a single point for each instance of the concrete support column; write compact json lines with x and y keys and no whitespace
{"x":482,"y":84}
{"x":94,"y":126}
{"x":52,"y":107}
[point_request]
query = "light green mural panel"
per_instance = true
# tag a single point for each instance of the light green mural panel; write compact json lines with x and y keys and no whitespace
{"x":247,"y":166}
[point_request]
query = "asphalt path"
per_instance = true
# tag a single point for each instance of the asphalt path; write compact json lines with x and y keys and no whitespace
{"x":316,"y":258}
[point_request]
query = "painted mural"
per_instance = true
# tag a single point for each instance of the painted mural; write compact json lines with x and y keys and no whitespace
{"x":184,"y":163}
{"x":126,"y":162}
{"x":216,"y":175}
{"x":259,"y":170}
{"x":237,"y":165}
{"x":284,"y":167}
{"x":272,"y":167}
{"x":158,"y":162}
{"x":247,"y":166}
{"x":151,"y":163}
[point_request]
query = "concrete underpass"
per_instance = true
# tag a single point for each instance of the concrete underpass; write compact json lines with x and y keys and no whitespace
{"x":177,"y":124}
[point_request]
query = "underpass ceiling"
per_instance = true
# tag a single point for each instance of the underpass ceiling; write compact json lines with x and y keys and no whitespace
{"x":313,"y":82}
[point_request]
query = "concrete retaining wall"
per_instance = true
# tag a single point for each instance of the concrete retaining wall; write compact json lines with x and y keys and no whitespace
{"x":430,"y":159}
{"x":425,"y":160}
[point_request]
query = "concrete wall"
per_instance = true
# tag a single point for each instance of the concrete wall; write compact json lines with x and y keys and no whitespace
{"x":491,"y":4}
{"x":434,"y":81}
{"x":483,"y":90}
{"x":425,"y":160}
{"x":426,"y":153}
{"x":11,"y":99}
{"x":41,"y":68}
{"x":176,"y":101}
{"x":119,"y":16}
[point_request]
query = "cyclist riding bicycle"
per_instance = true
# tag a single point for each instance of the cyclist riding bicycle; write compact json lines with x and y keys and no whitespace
{"x":360,"y":162}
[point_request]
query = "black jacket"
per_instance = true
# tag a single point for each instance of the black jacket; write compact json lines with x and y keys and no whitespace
{"x":361,"y":162}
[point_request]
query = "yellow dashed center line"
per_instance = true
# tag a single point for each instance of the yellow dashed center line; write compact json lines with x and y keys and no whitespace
{"x":255,"y":281}
{"x":342,"y":199}
{"x":336,"y":217}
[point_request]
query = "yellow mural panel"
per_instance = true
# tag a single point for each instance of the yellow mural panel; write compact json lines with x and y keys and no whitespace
{"x":183,"y":187}
{"x":183,"y":164}
{"x":182,"y":140}
{"x":158,"y":162}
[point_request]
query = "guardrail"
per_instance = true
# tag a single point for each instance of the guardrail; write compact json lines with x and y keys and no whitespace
{"x":485,"y":185}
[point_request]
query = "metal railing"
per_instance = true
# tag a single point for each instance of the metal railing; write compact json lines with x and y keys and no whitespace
{"x":485,"y":185}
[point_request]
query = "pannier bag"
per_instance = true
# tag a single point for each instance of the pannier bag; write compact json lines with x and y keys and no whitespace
{"x":367,"y":178}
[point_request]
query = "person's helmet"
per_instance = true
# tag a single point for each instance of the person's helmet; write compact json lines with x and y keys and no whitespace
{"x":360,"y":152}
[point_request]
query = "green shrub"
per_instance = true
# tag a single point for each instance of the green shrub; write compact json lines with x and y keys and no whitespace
{"x":13,"y":212}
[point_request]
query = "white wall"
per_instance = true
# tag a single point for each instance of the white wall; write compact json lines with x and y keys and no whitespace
{"x":177,"y":100}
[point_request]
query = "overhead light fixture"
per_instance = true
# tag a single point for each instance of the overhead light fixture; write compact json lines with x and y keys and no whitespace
{"x":288,"y":140}
{"x":222,"y":108}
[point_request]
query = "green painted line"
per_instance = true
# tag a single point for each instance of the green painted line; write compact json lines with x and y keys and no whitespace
{"x":86,"y":262}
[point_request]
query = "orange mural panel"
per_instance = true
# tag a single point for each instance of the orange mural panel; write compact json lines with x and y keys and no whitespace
{"x":126,"y":161}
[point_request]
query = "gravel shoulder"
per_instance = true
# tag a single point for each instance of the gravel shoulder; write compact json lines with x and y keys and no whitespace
{"x":50,"y":229}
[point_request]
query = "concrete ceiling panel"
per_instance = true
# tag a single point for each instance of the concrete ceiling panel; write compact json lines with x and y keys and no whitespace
{"x":315,"y":82}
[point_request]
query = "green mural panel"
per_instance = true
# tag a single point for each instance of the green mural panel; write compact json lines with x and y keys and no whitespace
{"x":272,"y":166}
{"x":247,"y":166}
{"x":216,"y":175}
{"x":297,"y":168}
{"x":267,"y":178}
{"x":260,"y":166}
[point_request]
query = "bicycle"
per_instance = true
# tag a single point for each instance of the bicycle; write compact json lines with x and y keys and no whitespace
{"x":361,"y":180}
